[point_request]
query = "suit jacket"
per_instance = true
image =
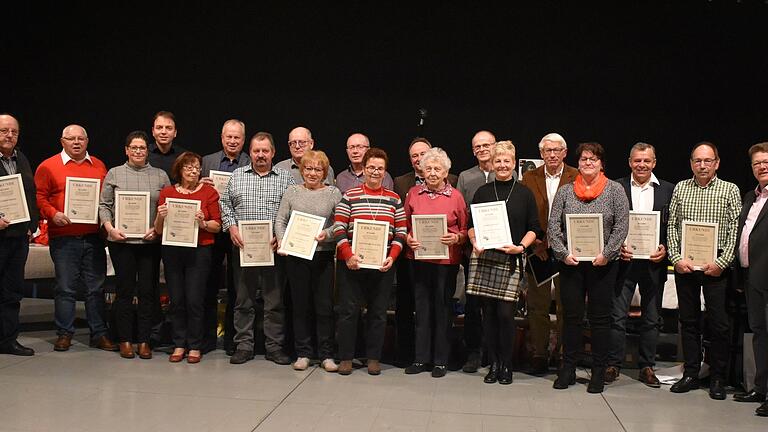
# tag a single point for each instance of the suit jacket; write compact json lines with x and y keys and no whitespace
{"x":535,"y":180}
{"x":28,"y":178}
{"x":212,"y":161}
{"x":405,"y":182}
{"x":758,"y":253}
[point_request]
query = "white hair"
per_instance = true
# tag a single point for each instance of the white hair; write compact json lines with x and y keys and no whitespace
{"x":552,"y":137}
{"x":64,"y":131}
{"x":438,"y":155}
{"x":233,"y":122}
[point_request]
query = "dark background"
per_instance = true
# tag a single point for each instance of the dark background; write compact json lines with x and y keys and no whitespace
{"x":671,"y":73}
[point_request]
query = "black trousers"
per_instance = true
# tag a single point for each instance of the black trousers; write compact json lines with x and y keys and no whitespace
{"x":186,"y":275}
{"x":757,"y":312}
{"x":473,"y":318}
{"x":135,"y":273}
{"x":311,"y":286}
{"x":498,"y":329}
{"x":13,"y":257}
{"x":433,"y":287}
{"x":220,"y":277}
{"x":404,"y":310}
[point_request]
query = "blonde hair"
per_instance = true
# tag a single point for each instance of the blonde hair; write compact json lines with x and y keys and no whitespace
{"x":318,"y":156}
{"x":503,"y":147}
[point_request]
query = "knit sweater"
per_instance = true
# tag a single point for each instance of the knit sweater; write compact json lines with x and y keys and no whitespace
{"x":318,"y":202}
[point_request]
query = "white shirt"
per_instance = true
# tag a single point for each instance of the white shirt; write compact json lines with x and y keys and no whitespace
{"x":642,"y":195}
{"x":65,"y":158}
{"x":754,"y":212}
{"x":553,"y":182}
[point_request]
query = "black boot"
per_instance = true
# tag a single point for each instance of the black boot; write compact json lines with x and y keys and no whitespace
{"x":493,"y":374}
{"x":505,"y":374}
{"x":566,"y":376}
{"x":597,"y":381}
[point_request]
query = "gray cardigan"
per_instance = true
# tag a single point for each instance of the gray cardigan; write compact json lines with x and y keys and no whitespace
{"x":318,"y":202}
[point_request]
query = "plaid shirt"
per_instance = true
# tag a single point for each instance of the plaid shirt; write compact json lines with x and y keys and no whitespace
{"x":250,"y":196}
{"x":719,"y":202}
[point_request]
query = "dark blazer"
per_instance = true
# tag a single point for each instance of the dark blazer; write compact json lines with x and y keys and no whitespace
{"x":758,"y":238}
{"x":536,"y":181}
{"x":27,"y":177}
{"x":212,"y":161}
{"x":405,"y":182}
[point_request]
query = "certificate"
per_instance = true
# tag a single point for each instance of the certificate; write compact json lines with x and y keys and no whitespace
{"x":299,"y":238}
{"x":699,"y":243}
{"x":180,"y":227}
{"x":369,"y":242}
{"x":220,"y":180}
{"x":132,"y":213}
{"x":13,"y":202}
{"x":428,"y":229}
{"x":585,"y":235}
{"x":643,"y":235}
{"x":81,"y":200}
{"x":491,"y":225}
{"x":257,"y":243}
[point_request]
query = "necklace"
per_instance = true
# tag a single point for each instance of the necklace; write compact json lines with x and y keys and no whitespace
{"x":510,"y":190}
{"x":369,"y":202}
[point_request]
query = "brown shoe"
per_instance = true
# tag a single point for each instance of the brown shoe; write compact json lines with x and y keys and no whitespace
{"x":126,"y":350}
{"x":648,"y":378}
{"x":145,"y":352}
{"x":194,"y":356}
{"x":177,"y":355}
{"x":345,"y":367}
{"x":611,"y":374}
{"x":103,"y":343}
{"x":374,"y":367}
{"x":63,"y":343}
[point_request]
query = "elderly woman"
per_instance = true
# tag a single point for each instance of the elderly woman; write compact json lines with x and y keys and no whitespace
{"x":591,"y":192}
{"x":495,"y":273}
{"x":186,"y":268}
{"x":434,"y":280}
{"x":362,"y":286}
{"x":311,"y":281}
{"x":135,"y":259}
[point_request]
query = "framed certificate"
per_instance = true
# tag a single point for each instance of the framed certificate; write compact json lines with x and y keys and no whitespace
{"x":428,"y":229}
{"x":585,"y":235}
{"x":491,"y":225}
{"x":220,"y":180}
{"x":13,"y":202}
{"x":257,"y":239}
{"x":699,"y":243}
{"x":299,"y":238}
{"x":132,"y":213}
{"x":369,"y":242}
{"x":180,"y":227}
{"x":643,"y":235}
{"x":81,"y":200}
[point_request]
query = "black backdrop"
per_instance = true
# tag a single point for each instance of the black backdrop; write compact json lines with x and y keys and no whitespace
{"x":670,"y":73}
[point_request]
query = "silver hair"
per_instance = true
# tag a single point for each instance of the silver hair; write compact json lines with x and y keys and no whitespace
{"x":234,"y":122}
{"x":438,"y":155}
{"x":553,"y":137}
{"x":641,"y":146}
{"x":64,"y":131}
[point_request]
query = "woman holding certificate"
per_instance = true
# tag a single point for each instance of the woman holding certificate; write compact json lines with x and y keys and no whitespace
{"x":126,"y":209}
{"x":437,"y":227}
{"x":370,"y":230}
{"x":588,"y":223}
{"x":188,"y":215}
{"x":310,"y":278}
{"x":495,"y":265}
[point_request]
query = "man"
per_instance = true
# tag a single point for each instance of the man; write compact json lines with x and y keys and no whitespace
{"x":645,"y":193}
{"x":357,"y":145}
{"x":753,"y":265}
{"x":76,"y":249}
{"x":299,"y":141}
{"x":229,"y":158}
{"x":164,"y":153}
{"x":544,"y":182}
{"x":14,"y":240}
{"x":703,"y":198}
{"x":254,"y":193}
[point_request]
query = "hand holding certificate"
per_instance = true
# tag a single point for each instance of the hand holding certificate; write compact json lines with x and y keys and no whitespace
{"x":257,"y":243}
{"x":491,"y":225}
{"x":369,"y":242}
{"x":585,"y":235}
{"x":299,"y":238}
{"x":132,"y":213}
{"x":13,"y":202}
{"x":643,"y":235}
{"x":428,"y":229}
{"x":699,"y":243}
{"x":220,"y":180}
{"x":81,"y":200}
{"x":180,"y":227}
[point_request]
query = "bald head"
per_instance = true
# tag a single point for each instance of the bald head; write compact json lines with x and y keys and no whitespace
{"x":74,"y":140}
{"x":299,"y":141}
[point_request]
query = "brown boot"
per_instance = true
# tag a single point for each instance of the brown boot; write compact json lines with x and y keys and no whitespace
{"x":145,"y":352}
{"x":63,"y":343}
{"x":345,"y":367}
{"x":126,"y":350}
{"x":374,"y":367}
{"x":103,"y":343}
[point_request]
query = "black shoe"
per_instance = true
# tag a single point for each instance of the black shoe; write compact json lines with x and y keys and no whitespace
{"x":416,"y":368}
{"x":278,"y":357}
{"x":241,"y":356}
{"x":762,"y":410}
{"x":565,"y":377}
{"x":473,"y":363}
{"x":505,"y":375}
{"x":229,"y":347}
{"x":17,"y":349}
{"x":685,"y":385}
{"x":717,"y":389}
{"x":596,"y":380}
{"x":539,"y":366}
{"x":752,"y":396}
{"x":439,"y":371}
{"x":493,"y":374}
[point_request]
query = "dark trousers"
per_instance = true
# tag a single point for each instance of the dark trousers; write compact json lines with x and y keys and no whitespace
{"x":576,"y":284}
{"x":311,"y":287}
{"x":135,"y":275}
{"x":358,"y":288}
{"x":220,"y":277}
{"x":404,"y":310}
{"x":13,"y":257}
{"x":757,"y":311}
{"x":637,"y":274}
{"x":186,"y":275}
{"x":433,"y":286}
{"x":498,"y":329}
{"x":473,"y":318}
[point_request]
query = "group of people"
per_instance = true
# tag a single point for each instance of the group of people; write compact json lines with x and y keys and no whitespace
{"x":537,"y":207}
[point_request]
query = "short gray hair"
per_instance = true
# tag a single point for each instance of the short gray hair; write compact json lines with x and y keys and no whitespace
{"x":641,"y":146}
{"x":64,"y":131}
{"x":438,"y":155}
{"x":234,"y":122}
{"x":553,"y":137}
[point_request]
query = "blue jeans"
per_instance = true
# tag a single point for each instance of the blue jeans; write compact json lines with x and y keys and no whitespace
{"x":79,"y":261}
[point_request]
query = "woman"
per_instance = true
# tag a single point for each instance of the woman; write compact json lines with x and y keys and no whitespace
{"x":186,"y":269}
{"x":358,"y":286}
{"x":135,"y":260}
{"x":311,"y":281}
{"x":495,"y":273}
{"x":434,"y":280}
{"x":591,"y":192}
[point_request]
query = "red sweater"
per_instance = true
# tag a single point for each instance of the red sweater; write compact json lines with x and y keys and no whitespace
{"x":209,"y":204}
{"x":51,"y":180}
{"x":419,"y":202}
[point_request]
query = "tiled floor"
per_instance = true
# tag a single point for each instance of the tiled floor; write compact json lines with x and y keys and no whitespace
{"x":90,"y":390}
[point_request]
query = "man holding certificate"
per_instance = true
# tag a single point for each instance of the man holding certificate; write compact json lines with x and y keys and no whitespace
{"x":17,"y":201}
{"x":702,"y":236}
{"x":77,"y":252}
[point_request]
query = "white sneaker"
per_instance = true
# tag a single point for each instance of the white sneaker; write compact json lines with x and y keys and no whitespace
{"x":302,"y":363}
{"x":330,"y":366}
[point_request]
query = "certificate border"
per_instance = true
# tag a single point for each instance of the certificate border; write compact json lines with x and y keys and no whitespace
{"x":444,"y":219}
{"x":658,"y":228}
{"x":93,"y":221}
{"x":478,"y":232}
{"x":120,"y":193}
{"x":355,"y":225}
{"x":714,"y":225}
{"x":168,"y":242}
{"x":316,"y":218}
{"x":212,"y":173}
{"x":269,"y":263}
{"x":20,"y":185}
{"x":568,"y":218}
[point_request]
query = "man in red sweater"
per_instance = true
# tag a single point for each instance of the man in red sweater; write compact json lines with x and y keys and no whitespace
{"x":76,"y":250}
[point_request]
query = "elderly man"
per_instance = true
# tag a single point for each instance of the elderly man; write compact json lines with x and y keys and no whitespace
{"x":228,"y":159}
{"x":703,"y":198}
{"x":164,"y":153}
{"x":76,"y":249}
{"x":544,"y":182}
{"x":357,"y":145}
{"x":299,"y":141}
{"x":14,"y":240}
{"x":645,"y":193}
{"x":254,"y":193}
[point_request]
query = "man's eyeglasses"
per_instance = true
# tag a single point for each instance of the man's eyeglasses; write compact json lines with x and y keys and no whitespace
{"x":75,"y":139}
{"x":552,"y":150}
{"x":760,"y":163}
{"x":298,"y":144}
{"x":11,"y":132}
{"x":483,"y":146}
{"x":703,"y":162}
{"x":358,"y":147}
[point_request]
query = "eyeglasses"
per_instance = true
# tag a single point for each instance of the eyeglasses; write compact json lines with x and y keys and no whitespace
{"x":191,"y":168}
{"x":760,"y":163}
{"x":313,"y":169}
{"x":552,"y":150}
{"x":592,"y":160}
{"x":373,"y":169}
{"x":11,"y":132}
{"x":358,"y":147}
{"x":75,"y":139}
{"x":136,"y":149}
{"x":298,"y":144}
{"x":483,"y":146}
{"x":703,"y":162}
